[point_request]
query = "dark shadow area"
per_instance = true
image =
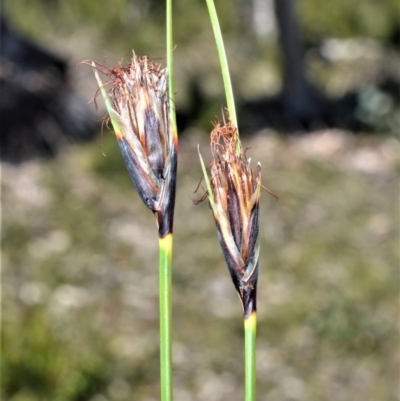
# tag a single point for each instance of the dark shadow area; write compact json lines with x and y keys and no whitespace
{"x":362,"y":111}
{"x":40,"y":112}
{"x":370,"y":110}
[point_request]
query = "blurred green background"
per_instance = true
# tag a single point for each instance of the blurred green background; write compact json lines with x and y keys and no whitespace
{"x":79,"y":250}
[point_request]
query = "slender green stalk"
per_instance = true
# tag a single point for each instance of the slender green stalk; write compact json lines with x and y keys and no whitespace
{"x":170,"y":65}
{"x":170,"y":58}
{"x":250,"y":320}
{"x":223,"y":61}
{"x":250,"y":328}
{"x":165,"y":265}
{"x":166,"y":242}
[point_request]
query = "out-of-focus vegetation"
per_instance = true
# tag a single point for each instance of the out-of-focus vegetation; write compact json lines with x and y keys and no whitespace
{"x":349,"y":47}
{"x":141,"y":22}
{"x":80,"y":311}
{"x":79,"y":250}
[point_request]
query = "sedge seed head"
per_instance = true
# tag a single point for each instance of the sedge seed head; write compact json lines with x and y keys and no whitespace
{"x":139,"y":110}
{"x":235,"y":205}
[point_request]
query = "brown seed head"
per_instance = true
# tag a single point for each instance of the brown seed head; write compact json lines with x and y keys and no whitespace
{"x":141,"y":118}
{"x":236,"y":193}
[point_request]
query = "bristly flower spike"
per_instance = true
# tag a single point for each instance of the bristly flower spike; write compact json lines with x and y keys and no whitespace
{"x":139,"y":110}
{"x":234,"y":195}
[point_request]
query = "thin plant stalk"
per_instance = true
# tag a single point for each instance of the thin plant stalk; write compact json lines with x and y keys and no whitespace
{"x":165,"y":264}
{"x":166,"y":245}
{"x":170,"y":65}
{"x":250,"y":329}
{"x":223,"y":61}
{"x":250,"y":314}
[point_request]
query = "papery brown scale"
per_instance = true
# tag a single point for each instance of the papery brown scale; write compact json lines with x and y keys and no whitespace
{"x":252,"y":235}
{"x":247,"y":181}
{"x":234,"y":266}
{"x":219,"y":184}
{"x":237,"y":183}
{"x":154,"y":146}
{"x":132,"y":121}
{"x":164,"y":128}
{"x":145,"y":187}
{"x":234,"y":213}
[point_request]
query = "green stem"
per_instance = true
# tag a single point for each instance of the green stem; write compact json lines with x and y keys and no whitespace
{"x":170,"y":65}
{"x":250,"y":328}
{"x":165,"y":244}
{"x":223,"y":61}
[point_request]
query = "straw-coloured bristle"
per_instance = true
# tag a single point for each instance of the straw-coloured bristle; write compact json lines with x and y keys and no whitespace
{"x":139,"y":110}
{"x":234,"y":198}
